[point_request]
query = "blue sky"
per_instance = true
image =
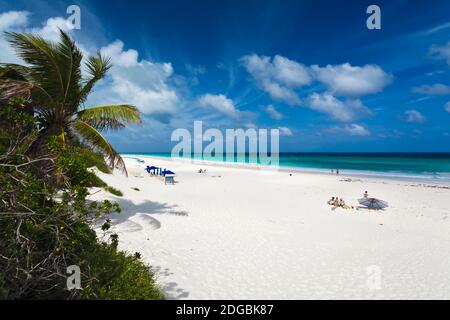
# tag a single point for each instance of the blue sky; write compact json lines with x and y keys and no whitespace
{"x":310,"y":68}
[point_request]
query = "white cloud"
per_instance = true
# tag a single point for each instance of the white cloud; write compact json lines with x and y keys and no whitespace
{"x":442,"y":52}
{"x":250,"y":125}
{"x":142,"y":83}
{"x":285,"y":131}
{"x":282,"y":78}
{"x":50,"y":28}
{"x":10,"y":21}
{"x":289,"y":72}
{"x":447,"y":107}
{"x":278,"y":76}
{"x":434,"y":89}
{"x":273,"y":113}
{"x":351,"y":129}
{"x":414,"y":116}
{"x":13,"y":19}
{"x":356,"y":130}
{"x":18,"y":21}
{"x":281,"y":93}
{"x":220,"y":103}
{"x":352,"y":81}
{"x":337,"y":109}
{"x":120,"y":57}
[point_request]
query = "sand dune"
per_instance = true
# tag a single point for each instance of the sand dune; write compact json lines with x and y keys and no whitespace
{"x":236,"y":233}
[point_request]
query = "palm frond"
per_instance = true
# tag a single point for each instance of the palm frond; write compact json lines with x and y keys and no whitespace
{"x":14,"y":71}
{"x":110,"y":117}
{"x":69,"y":58}
{"x":16,"y":80}
{"x":56,"y":67}
{"x":96,"y":67}
{"x":91,"y":136}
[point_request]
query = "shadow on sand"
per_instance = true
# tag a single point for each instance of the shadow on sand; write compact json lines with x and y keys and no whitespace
{"x":171,"y":289}
{"x":144,"y":212}
{"x":133,"y":218}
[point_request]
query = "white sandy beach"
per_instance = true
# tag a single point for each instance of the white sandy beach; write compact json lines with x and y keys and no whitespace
{"x":236,"y":233}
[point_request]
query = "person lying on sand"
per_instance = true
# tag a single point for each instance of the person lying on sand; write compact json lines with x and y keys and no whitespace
{"x":200,"y":171}
{"x":344,"y":205}
{"x":336,"y":202}
{"x":331,"y":201}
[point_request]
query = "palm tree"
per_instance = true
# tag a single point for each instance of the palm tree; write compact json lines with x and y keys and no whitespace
{"x":53,"y":84}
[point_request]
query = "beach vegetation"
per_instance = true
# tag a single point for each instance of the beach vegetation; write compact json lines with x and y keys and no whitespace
{"x":46,"y":222}
{"x":55,"y":89}
{"x":114,"y":191}
{"x":93,"y":159}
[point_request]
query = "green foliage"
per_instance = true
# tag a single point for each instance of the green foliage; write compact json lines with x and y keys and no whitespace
{"x":2,"y":287}
{"x":95,"y":181}
{"x":92,"y":159}
{"x":114,"y":191}
{"x":110,"y":117}
{"x":46,"y":227}
{"x":15,"y":115}
{"x":73,"y":161}
{"x":136,"y":189}
{"x":53,"y":82}
{"x":125,"y":276}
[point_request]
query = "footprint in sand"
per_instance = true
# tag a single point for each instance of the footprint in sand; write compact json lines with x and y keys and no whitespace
{"x":130,"y":226}
{"x":150,"y":221}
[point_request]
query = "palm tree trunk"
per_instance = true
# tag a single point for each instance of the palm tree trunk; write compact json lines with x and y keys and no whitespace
{"x":40,"y":148}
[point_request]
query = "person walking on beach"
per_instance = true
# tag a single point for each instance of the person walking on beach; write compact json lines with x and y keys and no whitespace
{"x":366,"y":194}
{"x":337,"y":171}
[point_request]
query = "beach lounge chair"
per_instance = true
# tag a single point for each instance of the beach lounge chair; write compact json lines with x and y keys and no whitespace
{"x":169,"y":180}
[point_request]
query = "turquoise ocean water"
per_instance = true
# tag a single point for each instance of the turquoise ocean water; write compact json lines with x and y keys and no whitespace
{"x":415,"y":166}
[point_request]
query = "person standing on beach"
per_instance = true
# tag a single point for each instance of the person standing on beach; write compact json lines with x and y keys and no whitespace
{"x":337,"y":171}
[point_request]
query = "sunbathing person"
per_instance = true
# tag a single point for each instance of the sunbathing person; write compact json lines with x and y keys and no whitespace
{"x":344,"y":205}
{"x":336,"y":202}
{"x":331,"y":201}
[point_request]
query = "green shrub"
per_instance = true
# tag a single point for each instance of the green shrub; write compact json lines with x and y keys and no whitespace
{"x":119,"y":276}
{"x":93,"y":159}
{"x":114,"y":191}
{"x":45,"y":227}
{"x":136,"y":189}
{"x":95,"y":181}
{"x":107,"y":273}
{"x":2,"y":288}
